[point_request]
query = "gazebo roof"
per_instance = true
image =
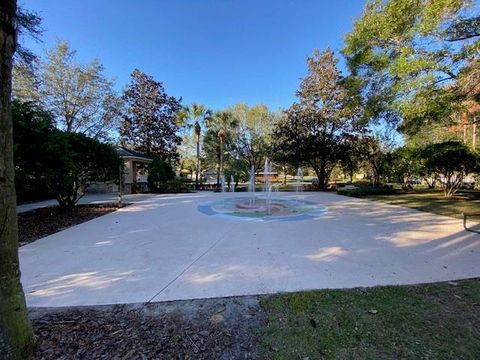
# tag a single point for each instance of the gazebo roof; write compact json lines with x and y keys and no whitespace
{"x":132,"y":154}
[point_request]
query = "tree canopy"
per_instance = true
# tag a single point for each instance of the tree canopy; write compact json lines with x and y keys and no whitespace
{"x":452,"y":161}
{"x":251,"y":140}
{"x":79,"y":96}
{"x":313,"y":130}
{"x":408,"y":57}
{"x":150,"y":120}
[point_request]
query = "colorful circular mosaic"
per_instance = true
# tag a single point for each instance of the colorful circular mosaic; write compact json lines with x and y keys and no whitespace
{"x":263,"y":209}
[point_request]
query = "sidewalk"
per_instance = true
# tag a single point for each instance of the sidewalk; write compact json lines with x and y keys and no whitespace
{"x":87,"y":199}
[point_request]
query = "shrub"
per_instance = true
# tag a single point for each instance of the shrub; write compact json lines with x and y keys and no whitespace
{"x":54,"y":162}
{"x":368,"y":190}
{"x":159,"y":173}
{"x":172,"y":187}
{"x":31,"y":126}
{"x":75,"y":160}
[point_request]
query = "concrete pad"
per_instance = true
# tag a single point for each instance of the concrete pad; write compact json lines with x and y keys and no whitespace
{"x":163,"y":248}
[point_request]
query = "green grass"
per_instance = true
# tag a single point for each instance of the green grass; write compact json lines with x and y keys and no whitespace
{"x":430,"y":201}
{"x":437,"y":321}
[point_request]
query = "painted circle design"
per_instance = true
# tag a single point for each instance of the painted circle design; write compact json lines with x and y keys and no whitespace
{"x":256,"y":209}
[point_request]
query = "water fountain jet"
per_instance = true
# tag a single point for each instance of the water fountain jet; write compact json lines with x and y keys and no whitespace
{"x":299,"y":183}
{"x":267,"y":186}
{"x":232,"y":184}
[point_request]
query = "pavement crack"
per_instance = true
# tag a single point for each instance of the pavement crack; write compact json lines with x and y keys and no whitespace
{"x":188,"y":267}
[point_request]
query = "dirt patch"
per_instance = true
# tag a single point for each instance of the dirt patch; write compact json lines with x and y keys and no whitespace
{"x":224,"y":328}
{"x":38,"y":223}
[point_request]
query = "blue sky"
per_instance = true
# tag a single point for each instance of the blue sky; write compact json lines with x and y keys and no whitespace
{"x":214,"y":52}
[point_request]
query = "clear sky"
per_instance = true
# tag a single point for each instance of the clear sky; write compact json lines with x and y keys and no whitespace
{"x":216,"y":52}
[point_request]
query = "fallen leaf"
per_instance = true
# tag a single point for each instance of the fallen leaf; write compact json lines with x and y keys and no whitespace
{"x":217,"y":318}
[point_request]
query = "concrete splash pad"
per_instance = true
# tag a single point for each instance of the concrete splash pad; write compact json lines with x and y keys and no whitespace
{"x":257,"y":208}
{"x":163,"y":248}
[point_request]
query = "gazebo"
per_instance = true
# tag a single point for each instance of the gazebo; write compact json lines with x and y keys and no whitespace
{"x":135,"y":170}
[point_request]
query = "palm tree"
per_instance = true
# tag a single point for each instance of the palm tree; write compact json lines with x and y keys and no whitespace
{"x":222,"y":122}
{"x":197,"y":113}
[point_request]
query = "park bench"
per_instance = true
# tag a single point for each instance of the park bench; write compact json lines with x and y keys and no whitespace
{"x":467,"y":215}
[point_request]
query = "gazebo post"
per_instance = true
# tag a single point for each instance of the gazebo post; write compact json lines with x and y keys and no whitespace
{"x":120,"y":190}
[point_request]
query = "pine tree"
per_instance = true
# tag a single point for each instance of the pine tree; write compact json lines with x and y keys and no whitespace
{"x":16,"y":337}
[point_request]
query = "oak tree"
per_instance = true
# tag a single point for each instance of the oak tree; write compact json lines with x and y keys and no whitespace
{"x":407,"y":57}
{"x":150,"y":120}
{"x":313,"y":131}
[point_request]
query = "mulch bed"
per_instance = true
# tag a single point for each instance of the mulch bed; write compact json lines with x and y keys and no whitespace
{"x":38,"y":223}
{"x":195,"y":329}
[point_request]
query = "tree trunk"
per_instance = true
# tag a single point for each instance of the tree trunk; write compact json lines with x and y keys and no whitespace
{"x":322,"y":177}
{"x":474,"y":135}
{"x":16,"y":337}
{"x":198,"y":162}
{"x":431,"y":181}
{"x":376,"y":175}
{"x":220,"y":169}
{"x":221,"y":158}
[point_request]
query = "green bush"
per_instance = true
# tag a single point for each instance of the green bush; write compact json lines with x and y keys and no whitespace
{"x":368,"y":190}
{"x":31,"y":127}
{"x":172,"y":187}
{"x":159,"y":174}
{"x":75,"y":160}
{"x":55,"y":162}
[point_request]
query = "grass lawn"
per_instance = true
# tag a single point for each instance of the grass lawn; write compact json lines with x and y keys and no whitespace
{"x":437,"y":321}
{"x":431,"y":201}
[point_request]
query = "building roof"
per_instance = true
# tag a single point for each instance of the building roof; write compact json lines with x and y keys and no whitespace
{"x":128,"y":153}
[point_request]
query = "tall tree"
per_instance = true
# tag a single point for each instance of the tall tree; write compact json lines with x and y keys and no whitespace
{"x":407,"y":56}
{"x":217,"y":141}
{"x":253,"y":135}
{"x":312,"y":132}
{"x":16,"y":337}
{"x":150,"y":121}
{"x":29,"y":24}
{"x":80,"y":96}
{"x":199,"y":115}
{"x":223,"y":125}
{"x":376,"y":148}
